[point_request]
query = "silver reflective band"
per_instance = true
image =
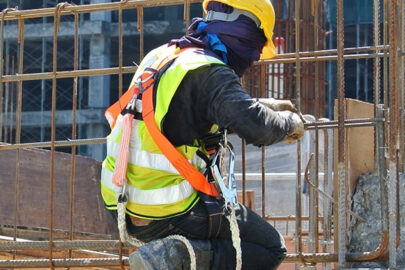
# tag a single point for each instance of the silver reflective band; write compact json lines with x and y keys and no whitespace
{"x":230,"y":17}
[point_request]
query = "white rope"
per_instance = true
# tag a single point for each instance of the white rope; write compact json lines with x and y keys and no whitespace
{"x":235,"y":238}
{"x":193,"y":263}
{"x":122,"y":226}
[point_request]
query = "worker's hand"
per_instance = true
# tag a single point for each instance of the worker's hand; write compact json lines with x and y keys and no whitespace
{"x":278,"y":105}
{"x":297,"y":126}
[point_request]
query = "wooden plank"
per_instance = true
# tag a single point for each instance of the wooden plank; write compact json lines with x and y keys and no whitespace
{"x":249,"y":199}
{"x":33,"y":192}
{"x":359,"y":143}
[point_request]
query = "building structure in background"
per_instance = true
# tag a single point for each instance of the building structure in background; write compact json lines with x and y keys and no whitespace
{"x":98,"y":48}
{"x":281,"y":78}
{"x":98,"y":39}
{"x":358,"y":27}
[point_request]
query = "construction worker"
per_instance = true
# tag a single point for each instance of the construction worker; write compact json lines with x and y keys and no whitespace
{"x":196,"y":96}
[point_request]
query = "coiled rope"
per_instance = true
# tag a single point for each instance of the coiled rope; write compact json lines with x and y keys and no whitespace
{"x":235,"y":238}
{"x":126,"y":238}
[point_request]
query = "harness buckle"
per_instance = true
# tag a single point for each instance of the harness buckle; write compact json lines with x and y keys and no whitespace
{"x":146,"y":79}
{"x":122,"y":197}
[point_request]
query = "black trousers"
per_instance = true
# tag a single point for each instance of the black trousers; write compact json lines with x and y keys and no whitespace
{"x":262,"y":245}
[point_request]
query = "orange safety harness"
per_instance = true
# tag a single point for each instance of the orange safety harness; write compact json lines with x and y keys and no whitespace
{"x":144,"y":86}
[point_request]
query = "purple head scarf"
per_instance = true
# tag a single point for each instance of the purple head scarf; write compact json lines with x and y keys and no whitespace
{"x":242,"y":38}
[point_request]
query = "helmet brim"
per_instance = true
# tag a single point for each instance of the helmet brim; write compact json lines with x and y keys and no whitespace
{"x":269,"y":50}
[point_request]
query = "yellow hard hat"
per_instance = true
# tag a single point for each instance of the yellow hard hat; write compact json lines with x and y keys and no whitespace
{"x":264,"y":11}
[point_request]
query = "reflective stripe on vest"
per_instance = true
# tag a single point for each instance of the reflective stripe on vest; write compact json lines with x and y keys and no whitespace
{"x":167,"y":195}
{"x":141,"y":157}
{"x":156,"y":189}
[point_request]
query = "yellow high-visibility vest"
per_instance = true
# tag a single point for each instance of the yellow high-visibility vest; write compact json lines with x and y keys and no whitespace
{"x":155,"y":188}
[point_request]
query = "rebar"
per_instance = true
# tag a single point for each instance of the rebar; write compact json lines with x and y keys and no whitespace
{"x":18,"y":125}
{"x":394,"y":136}
{"x":74,"y":129}
{"x":341,"y":211}
{"x":304,"y":58}
{"x":132,"y":4}
{"x":298,"y":191}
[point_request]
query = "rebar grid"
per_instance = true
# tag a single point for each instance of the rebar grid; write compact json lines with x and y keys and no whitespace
{"x":391,"y":97}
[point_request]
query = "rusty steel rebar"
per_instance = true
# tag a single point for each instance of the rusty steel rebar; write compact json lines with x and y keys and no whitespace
{"x":298,"y":191}
{"x":74,"y":129}
{"x":393,"y":131}
{"x":317,"y":116}
{"x":314,"y":187}
{"x":327,"y":207}
{"x":12,"y":97}
{"x":299,"y":58}
{"x":402,"y":82}
{"x":186,"y":15}
{"x":132,"y":69}
{"x":18,"y":125}
{"x":132,"y":4}
{"x":120,"y":51}
{"x":341,"y":180}
{"x":56,"y":23}
{"x":141,"y":32}
{"x":376,"y":67}
{"x":263,"y":148}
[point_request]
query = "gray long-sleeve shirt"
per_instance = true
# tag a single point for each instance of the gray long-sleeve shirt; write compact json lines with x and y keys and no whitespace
{"x":213,"y":95}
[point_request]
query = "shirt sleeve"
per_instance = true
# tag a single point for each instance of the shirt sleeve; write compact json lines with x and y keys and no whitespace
{"x":213,"y":95}
{"x":230,"y":106}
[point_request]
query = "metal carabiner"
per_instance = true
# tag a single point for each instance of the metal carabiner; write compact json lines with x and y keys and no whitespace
{"x":226,"y":185}
{"x":122,"y":196}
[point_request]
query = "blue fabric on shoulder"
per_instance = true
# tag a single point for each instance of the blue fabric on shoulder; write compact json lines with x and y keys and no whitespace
{"x":215,"y":43}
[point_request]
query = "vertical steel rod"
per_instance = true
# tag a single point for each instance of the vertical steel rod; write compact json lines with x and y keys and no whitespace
{"x":317,"y":116}
{"x":141,"y":33}
{"x":12,"y":97}
{"x":402,"y":83}
{"x":18,"y":124}
{"x":341,"y":138}
{"x":7,"y":123}
{"x":74,"y":128}
{"x":53,"y":131}
{"x":376,"y":78}
{"x":263,"y":182}
{"x":298,"y":221}
{"x":243,"y":171}
{"x":120,"y":51}
{"x":1,"y":75}
{"x":394,"y":111}
{"x":327,"y":207}
{"x":385,"y":59}
{"x":262,"y":94}
{"x":243,"y":143}
{"x":187,"y":14}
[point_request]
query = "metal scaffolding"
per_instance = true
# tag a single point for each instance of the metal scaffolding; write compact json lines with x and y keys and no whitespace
{"x":297,"y":74}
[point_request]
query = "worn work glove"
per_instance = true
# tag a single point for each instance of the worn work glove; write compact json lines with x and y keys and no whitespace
{"x":297,"y":126}
{"x":278,"y":105}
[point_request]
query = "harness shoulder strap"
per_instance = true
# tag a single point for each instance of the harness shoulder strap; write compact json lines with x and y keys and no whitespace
{"x":183,"y":166}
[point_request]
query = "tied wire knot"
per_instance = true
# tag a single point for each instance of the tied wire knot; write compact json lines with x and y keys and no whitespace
{"x":58,"y":12}
{"x":5,"y":11}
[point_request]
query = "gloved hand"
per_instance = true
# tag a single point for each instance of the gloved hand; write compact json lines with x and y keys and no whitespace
{"x":278,"y":105}
{"x":297,"y":126}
